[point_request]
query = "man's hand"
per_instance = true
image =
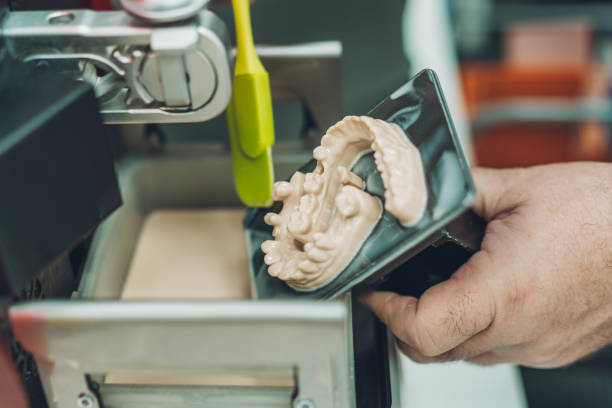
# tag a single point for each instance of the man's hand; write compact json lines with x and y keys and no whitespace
{"x":539,"y":291}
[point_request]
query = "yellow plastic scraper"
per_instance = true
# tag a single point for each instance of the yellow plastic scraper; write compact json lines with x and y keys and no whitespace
{"x":249,"y":117}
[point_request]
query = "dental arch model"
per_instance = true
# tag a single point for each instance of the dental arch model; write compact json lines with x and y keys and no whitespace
{"x":327,"y":215}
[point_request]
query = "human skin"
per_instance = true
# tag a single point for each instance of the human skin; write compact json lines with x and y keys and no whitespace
{"x":539,"y":291}
{"x":11,"y":387}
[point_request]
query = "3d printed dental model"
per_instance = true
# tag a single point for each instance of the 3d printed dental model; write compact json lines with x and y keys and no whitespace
{"x":327,"y":215}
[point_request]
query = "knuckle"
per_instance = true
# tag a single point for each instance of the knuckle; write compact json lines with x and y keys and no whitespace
{"x":426,"y":342}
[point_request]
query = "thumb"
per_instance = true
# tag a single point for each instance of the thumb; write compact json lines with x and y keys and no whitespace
{"x":496,"y":192}
{"x":445,"y":316}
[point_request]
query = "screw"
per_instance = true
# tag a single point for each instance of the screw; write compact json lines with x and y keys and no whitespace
{"x":303,"y":403}
{"x":85,"y":401}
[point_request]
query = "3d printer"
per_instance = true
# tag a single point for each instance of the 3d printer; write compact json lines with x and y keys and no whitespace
{"x":64,"y":74}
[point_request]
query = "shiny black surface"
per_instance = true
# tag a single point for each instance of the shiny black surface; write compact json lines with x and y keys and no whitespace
{"x":57,"y":176}
{"x":419,"y":109}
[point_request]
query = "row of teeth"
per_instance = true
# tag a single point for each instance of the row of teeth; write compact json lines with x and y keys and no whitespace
{"x":314,"y":253}
{"x":387,"y":164}
{"x":392,"y":177}
{"x":300,"y":221}
{"x":396,"y":174}
{"x":320,"y":247}
{"x":297,"y":234}
{"x":316,"y":248}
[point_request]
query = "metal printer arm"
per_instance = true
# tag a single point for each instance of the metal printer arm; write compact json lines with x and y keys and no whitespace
{"x":141,"y":73}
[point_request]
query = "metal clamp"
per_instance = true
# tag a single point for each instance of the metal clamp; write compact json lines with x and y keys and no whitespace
{"x":65,"y":385}
{"x":141,"y":73}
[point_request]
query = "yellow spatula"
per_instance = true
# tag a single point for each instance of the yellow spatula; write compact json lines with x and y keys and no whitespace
{"x":249,"y":117}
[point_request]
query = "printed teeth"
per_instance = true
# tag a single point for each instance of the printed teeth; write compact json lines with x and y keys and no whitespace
{"x":347,"y":203}
{"x":320,"y":153}
{"x":313,"y":183}
{"x":326,"y":140}
{"x":297,"y":180}
{"x":308,"y":267}
{"x":324,"y":241}
{"x":299,"y":223}
{"x":326,"y":212}
{"x":296,"y":276}
{"x":308,"y":204}
{"x":282,"y":190}
{"x":275,"y":269}
{"x":316,"y":254}
{"x":273,"y":219}
{"x":349,"y":178}
{"x":271,"y":258}
{"x":392,"y":154}
{"x":400,"y":173}
{"x":269,"y":246}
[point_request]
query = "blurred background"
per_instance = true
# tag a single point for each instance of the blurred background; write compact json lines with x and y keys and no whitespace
{"x":528,"y":81}
{"x":535,"y":78}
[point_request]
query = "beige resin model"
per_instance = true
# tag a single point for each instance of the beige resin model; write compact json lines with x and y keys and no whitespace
{"x":327,"y":215}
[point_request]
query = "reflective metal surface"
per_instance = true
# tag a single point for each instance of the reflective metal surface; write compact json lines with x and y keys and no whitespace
{"x":72,"y":338}
{"x":310,"y":74}
{"x":261,"y":339}
{"x":163,"y":11}
{"x":140,"y":73}
{"x":159,"y":396}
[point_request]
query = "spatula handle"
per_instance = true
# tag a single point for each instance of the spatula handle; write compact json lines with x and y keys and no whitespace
{"x":247,"y":60}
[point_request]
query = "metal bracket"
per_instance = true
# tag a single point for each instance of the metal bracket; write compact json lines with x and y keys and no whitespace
{"x":65,"y":385}
{"x":73,"y":338}
{"x":141,"y":73}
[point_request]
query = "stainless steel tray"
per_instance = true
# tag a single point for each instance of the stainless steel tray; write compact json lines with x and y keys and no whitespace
{"x":77,"y":342}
